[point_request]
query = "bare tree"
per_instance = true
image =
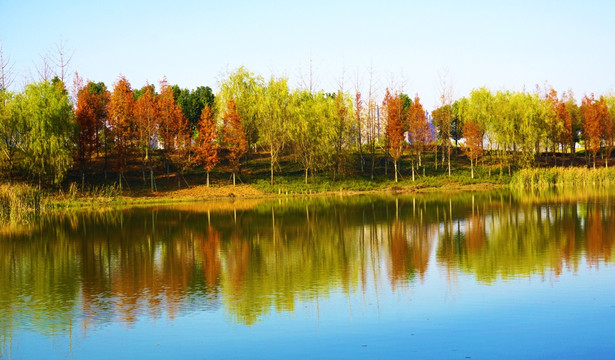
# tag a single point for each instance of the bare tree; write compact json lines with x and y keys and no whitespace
{"x":61,"y":59}
{"x":6,"y":70}
{"x":44,"y":68}
{"x":308,"y":81}
{"x":446,"y":103}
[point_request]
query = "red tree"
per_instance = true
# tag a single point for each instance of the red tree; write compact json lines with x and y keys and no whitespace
{"x":593,"y":113}
{"x":420,"y":134}
{"x":206,"y":150}
{"x":234,"y":136}
{"x":473,"y":134}
{"x":394,"y":128}
{"x":121,"y":123}
{"x":174,"y":131}
{"x":146,"y":118}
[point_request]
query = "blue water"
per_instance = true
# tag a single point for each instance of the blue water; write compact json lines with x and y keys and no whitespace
{"x":273,"y":307}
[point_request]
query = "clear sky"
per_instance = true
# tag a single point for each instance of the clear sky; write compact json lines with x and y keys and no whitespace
{"x":498,"y":44}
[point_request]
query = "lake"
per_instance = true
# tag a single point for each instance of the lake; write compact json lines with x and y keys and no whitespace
{"x":472,"y":275}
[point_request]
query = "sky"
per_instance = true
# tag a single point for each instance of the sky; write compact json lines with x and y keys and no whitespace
{"x":408,"y":45}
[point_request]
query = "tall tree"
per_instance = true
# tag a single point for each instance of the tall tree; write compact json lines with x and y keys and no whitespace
{"x":394,"y":130}
{"x":473,"y":134}
{"x":174,"y":131}
{"x":11,"y":132}
{"x":234,"y":137}
{"x":243,"y":87}
{"x":420,"y":132}
{"x":341,"y":132}
{"x":47,"y":117}
{"x":593,"y":113}
{"x":146,"y":120}
{"x":275,"y":113}
{"x":121,"y":123}
{"x":206,"y":150}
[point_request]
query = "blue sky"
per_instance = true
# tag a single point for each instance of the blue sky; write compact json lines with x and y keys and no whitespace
{"x":497,"y":44}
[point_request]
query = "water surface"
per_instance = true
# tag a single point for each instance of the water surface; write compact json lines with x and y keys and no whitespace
{"x":481,"y":275}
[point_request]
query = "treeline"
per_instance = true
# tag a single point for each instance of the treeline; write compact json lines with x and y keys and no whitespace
{"x":44,"y":132}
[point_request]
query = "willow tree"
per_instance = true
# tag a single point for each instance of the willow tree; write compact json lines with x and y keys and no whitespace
{"x":47,"y":124}
{"x":11,"y":134}
{"x":233,"y":137}
{"x":275,"y":112}
{"x":243,"y":87}
{"x":309,"y":130}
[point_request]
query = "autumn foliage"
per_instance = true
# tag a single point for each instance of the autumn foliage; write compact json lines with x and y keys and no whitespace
{"x":206,"y":150}
{"x":234,"y":137}
{"x":394,"y":129}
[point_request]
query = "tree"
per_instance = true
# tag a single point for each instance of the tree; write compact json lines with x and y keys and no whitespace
{"x":11,"y":133}
{"x":341,"y":132}
{"x":193,"y":102}
{"x":474,"y":142}
{"x":6,"y":70}
{"x":146,"y":121}
{"x":46,"y":115}
{"x":309,"y":128}
{"x":121,"y":123}
{"x":206,"y":150}
{"x":243,"y":87}
{"x":275,"y":114}
{"x":234,"y":137}
{"x":394,"y":130}
{"x":420,"y":133}
{"x":443,"y":118}
{"x":173,"y":131}
{"x":593,"y":123}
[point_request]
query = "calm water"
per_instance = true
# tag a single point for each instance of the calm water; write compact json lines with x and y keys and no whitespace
{"x":483,"y":276}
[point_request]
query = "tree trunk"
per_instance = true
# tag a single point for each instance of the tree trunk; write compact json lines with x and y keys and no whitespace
{"x":271,"y":167}
{"x":306,"y":176}
{"x":207,"y":178}
{"x":395,"y":163}
{"x":233,"y":178}
{"x":413,"y":169}
{"x":449,"y":161}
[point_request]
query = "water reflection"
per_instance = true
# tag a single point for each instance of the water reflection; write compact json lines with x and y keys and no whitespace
{"x":84,"y":270}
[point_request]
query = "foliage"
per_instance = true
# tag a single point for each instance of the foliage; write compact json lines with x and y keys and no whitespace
{"x":46,"y":118}
{"x":206,"y":150}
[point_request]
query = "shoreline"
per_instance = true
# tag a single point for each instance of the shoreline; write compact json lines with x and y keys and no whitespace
{"x":201,"y":193}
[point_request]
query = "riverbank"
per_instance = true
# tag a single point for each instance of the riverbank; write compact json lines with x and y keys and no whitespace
{"x":21,"y":201}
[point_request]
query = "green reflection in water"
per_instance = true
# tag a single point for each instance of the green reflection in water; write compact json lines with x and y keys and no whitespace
{"x":83,"y":270}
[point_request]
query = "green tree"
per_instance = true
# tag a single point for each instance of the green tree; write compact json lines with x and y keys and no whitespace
{"x":11,"y":134}
{"x":275,"y":112}
{"x":243,"y":87}
{"x":47,"y":117}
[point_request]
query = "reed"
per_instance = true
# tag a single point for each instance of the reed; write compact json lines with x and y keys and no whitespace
{"x":560,"y":176}
{"x":19,"y":203}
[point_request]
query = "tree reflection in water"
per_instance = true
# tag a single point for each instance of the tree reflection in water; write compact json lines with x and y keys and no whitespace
{"x":249,"y":258}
